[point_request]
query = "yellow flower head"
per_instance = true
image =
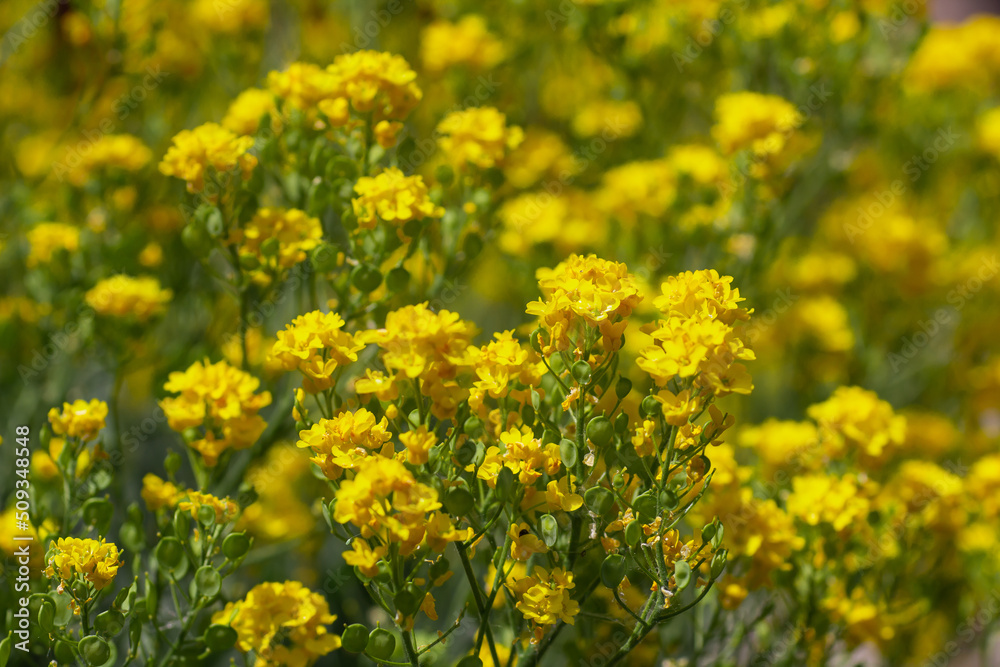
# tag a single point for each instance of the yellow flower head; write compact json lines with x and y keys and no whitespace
{"x":297,"y":233}
{"x":342,"y":443}
{"x":588,"y":291}
{"x":220,"y":398}
{"x":111,"y":151}
{"x":81,"y":419}
{"x":418,"y":444}
{"x":125,"y":296}
{"x":761,"y":123}
{"x":956,"y":56}
{"x":244,"y":114}
{"x":364,"y":557}
{"x":316,"y":345}
{"x":855,"y":419}
{"x":283,"y":623}
{"x":45,"y":238}
{"x":303,"y":85}
{"x":208,"y":146}
{"x":467,"y":42}
{"x":545,"y":599}
{"x":376,"y":82}
{"x":224,"y":508}
{"x":394,"y":198}
{"x":478,"y":136}
{"x":96,"y":560}
{"x":159,"y":493}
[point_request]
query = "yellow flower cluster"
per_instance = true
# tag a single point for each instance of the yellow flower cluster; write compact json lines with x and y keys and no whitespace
{"x":282,"y":623}
{"x":316,"y":345}
{"x":444,"y":45}
{"x":584,"y":292}
{"x":124,"y":296}
{"x":697,"y":339}
{"x":523,"y":454}
{"x":158,"y":493}
{"x":504,"y":368}
{"x":392,"y":197}
{"x":45,"y":238}
{"x":209,"y":146}
{"x":246,"y":111}
{"x":428,"y":348}
{"x":117,"y":151}
{"x":95,"y":560}
{"x":383,"y":499}
{"x":376,"y":82}
{"x":957,"y":56}
{"x":220,"y":399}
{"x":80,"y":419}
{"x":478,"y":136}
{"x":544,"y":598}
{"x":297,"y":233}
{"x":761,"y":123}
{"x":855,"y":421}
{"x":225,"y":509}
{"x":344,"y":442}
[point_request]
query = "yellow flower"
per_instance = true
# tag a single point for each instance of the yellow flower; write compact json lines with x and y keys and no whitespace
{"x":478,"y":136}
{"x":523,"y":544}
{"x":825,"y":499}
{"x":377,"y":82}
{"x":224,"y":508}
{"x":208,"y":146}
{"x":296,"y":233}
{"x":303,"y":85}
{"x":569,"y":221}
{"x":394,"y":198}
{"x":81,"y":419}
{"x":119,"y":151}
{"x":598,"y":116}
{"x":633,"y":190}
{"x":125,"y":296}
{"x":855,"y":419}
{"x":761,"y":123}
{"x":233,"y":18}
{"x":418,"y":444}
{"x":956,"y":56}
{"x":316,"y":345}
{"x":244,"y":114}
{"x":467,"y":42}
{"x":523,"y":454}
{"x":220,"y":398}
{"x":545,"y":598}
{"x":159,"y":493}
{"x":344,"y":441}
{"x":587,"y":290}
{"x":284,"y":624}
{"x":364,"y":557}
{"x":96,"y":560}
{"x":441,"y":531}
{"x":559,"y":495}
{"x":45,"y":238}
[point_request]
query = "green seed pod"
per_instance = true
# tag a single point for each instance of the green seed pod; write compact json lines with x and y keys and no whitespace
{"x":582,"y":372}
{"x":650,"y":407}
{"x":397,"y":280}
{"x":366,"y":278}
{"x":613,"y":570}
{"x":669,"y":500}
{"x":413,"y":228}
{"x":719,"y":563}
{"x":600,"y":431}
{"x":599,"y":500}
{"x":621,"y":424}
{"x":249,"y":262}
{"x":473,"y":427}
{"x":444,"y":175}
{"x":384,"y":575}
{"x":682,"y":574}
{"x":323,"y":258}
{"x":458,"y":501}
{"x":95,"y":650}
{"x":182,"y":523}
{"x":505,"y":483}
{"x":235,"y":546}
{"x":47,"y":615}
{"x":98,"y":512}
{"x":465,"y":453}
{"x":470,"y":661}
{"x":568,"y":453}
{"x":645,"y":506}
{"x":109,"y":623}
{"x":623,"y":387}
{"x":214,"y":224}
{"x":172,"y":463}
{"x":196,"y":240}
{"x":549,"y":528}
{"x":219,"y":637}
{"x":206,"y":515}
{"x":381,"y":644}
{"x":355,"y":638}
{"x":408,"y":600}
{"x":618,"y":482}
{"x":535,"y":340}
{"x":170,"y":553}
{"x":207,"y":581}
{"x":633,"y":533}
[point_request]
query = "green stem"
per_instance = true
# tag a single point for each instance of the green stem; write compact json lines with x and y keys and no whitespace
{"x":477,"y":595}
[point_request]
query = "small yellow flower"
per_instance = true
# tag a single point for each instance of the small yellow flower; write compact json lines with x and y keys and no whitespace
{"x":81,"y":419}
{"x":123,"y":296}
{"x":208,"y":146}
{"x":478,"y":136}
{"x":96,"y":560}
{"x":45,"y":238}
